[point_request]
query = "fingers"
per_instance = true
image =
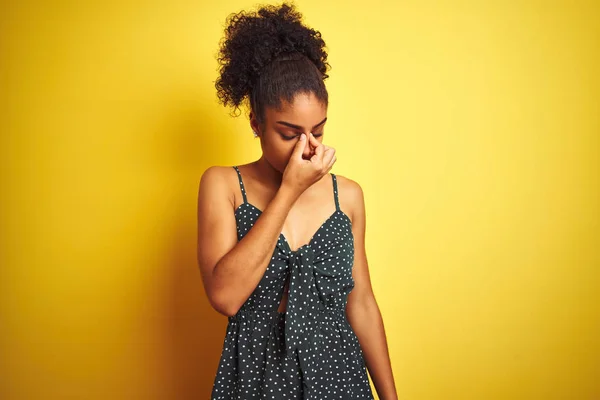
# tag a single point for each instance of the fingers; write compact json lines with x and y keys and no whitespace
{"x":316,"y":144}
{"x":328,"y":155}
{"x":324,"y":156}
{"x":331,"y":162}
{"x":299,"y":148}
{"x":313,"y":140}
{"x":326,"y":162}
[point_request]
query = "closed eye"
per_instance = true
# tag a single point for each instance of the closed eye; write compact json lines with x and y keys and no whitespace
{"x":286,"y":137}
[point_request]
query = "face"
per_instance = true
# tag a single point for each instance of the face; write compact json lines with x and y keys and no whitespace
{"x":282,"y":128}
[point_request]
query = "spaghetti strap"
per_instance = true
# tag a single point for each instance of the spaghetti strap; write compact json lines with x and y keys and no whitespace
{"x":335,"y":192}
{"x":242,"y":188}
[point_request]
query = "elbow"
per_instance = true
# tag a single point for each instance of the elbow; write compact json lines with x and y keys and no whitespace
{"x":220,"y":299}
{"x":226,"y":309}
{"x":223,"y":305}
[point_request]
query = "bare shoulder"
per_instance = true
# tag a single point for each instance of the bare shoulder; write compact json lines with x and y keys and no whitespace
{"x":352,"y":189}
{"x":216,"y":182}
{"x":215,"y":174}
{"x":351,"y":196}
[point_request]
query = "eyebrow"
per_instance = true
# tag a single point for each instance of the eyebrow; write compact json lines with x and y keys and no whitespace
{"x":299,"y":127}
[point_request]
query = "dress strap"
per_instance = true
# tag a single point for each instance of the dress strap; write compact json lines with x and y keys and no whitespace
{"x":335,"y":192}
{"x":242,"y":188}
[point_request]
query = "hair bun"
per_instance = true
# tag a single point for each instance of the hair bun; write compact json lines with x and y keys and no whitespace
{"x":256,"y":39}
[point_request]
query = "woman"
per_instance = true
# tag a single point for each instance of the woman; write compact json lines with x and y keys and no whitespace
{"x":281,"y":240}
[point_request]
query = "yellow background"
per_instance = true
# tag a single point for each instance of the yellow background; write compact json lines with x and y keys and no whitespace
{"x":473,"y":128}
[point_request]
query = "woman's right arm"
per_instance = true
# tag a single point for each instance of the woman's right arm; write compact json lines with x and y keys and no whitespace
{"x":231,"y":270}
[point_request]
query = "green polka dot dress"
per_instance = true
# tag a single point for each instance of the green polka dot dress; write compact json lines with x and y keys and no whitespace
{"x":309,"y":351}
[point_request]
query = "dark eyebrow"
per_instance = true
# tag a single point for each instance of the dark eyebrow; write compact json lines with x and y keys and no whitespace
{"x":299,"y":127}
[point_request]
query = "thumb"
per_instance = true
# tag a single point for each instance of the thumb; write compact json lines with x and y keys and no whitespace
{"x":299,"y":148}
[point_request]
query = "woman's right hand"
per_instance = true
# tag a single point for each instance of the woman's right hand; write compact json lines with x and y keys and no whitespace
{"x":299,"y":173}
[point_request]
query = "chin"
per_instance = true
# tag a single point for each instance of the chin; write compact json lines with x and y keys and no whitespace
{"x":278,"y":165}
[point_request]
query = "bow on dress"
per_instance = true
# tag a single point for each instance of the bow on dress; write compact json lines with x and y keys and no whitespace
{"x":306,"y":306}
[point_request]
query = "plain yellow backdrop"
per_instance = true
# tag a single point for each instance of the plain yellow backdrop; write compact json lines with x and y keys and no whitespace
{"x":472,"y":127}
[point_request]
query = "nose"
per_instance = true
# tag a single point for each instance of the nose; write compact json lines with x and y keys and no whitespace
{"x":308,"y":150}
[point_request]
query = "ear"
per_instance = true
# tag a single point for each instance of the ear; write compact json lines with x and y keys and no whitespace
{"x":254,"y":123}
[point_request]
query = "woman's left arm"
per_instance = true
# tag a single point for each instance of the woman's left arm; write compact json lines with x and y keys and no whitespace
{"x":362,"y":310}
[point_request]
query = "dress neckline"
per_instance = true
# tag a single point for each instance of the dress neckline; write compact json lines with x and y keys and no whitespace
{"x":312,"y":238}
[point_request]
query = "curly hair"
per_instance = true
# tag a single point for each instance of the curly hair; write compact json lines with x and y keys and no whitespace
{"x":267,"y":57}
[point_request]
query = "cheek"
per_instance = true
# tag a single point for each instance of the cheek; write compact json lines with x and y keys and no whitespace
{"x":278,"y":152}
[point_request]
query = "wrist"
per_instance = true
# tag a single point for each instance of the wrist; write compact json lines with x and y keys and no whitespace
{"x":286,"y":195}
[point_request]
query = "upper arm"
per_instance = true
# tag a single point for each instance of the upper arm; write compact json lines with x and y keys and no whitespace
{"x":217,"y":233}
{"x":355,"y":204}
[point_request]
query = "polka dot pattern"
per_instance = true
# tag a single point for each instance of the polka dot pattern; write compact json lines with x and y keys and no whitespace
{"x":309,"y":351}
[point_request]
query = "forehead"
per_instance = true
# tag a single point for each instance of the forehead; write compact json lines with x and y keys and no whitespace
{"x":305,"y":110}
